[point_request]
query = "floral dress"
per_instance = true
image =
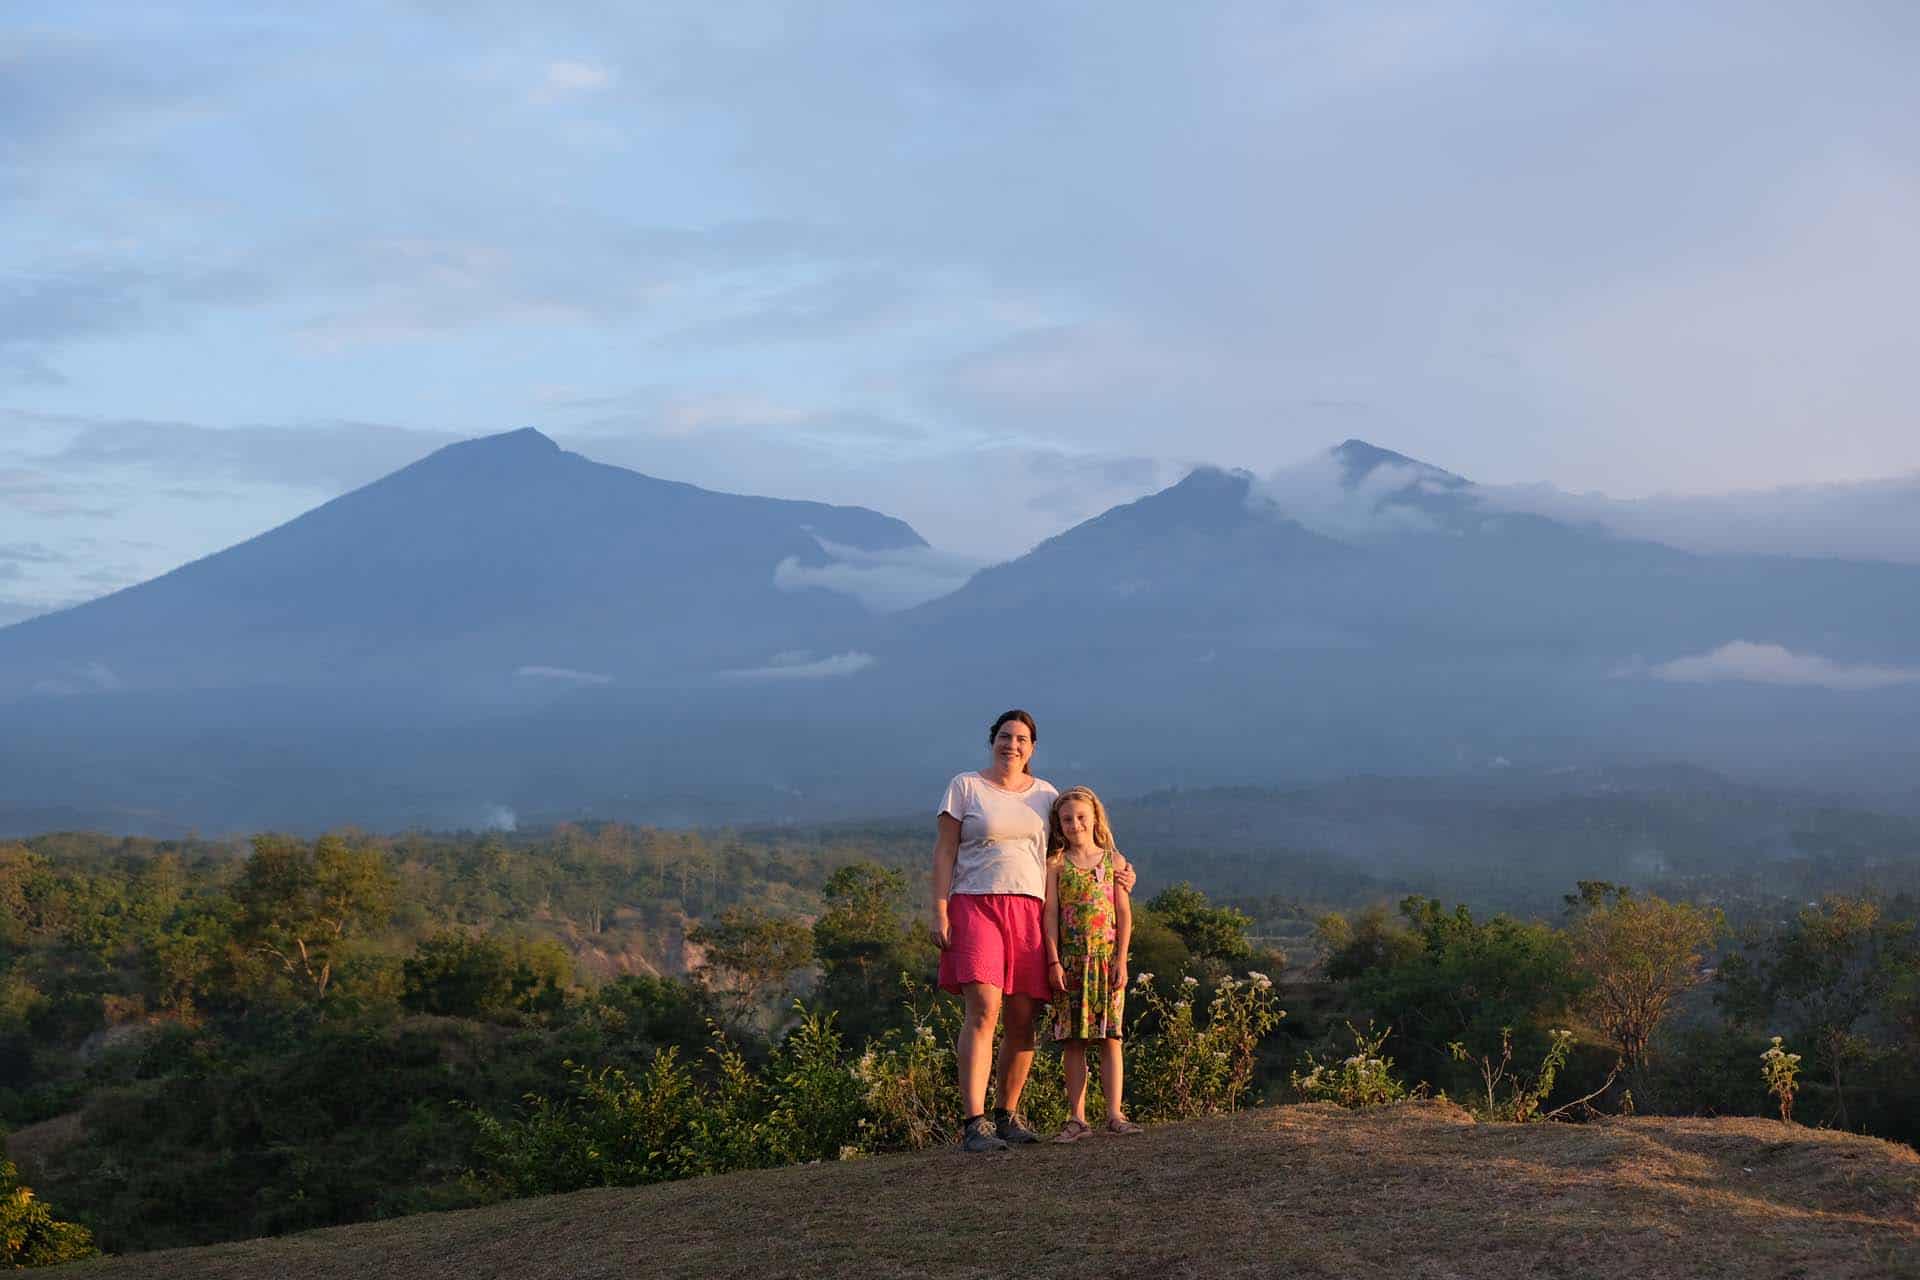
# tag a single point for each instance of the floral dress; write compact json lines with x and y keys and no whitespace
{"x":1090,"y":1007}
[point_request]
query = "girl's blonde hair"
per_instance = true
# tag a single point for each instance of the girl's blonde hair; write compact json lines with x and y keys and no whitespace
{"x":1057,"y":840}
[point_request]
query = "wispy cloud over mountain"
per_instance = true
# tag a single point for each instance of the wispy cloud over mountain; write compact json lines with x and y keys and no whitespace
{"x":1324,"y":493}
{"x":1750,"y":663}
{"x":885,"y":581}
{"x":804,"y":666}
{"x":1869,"y":520}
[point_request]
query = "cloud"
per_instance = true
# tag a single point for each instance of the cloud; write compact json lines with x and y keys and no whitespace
{"x":63,"y":302}
{"x":1747,"y":662}
{"x":86,"y":677}
{"x":802,"y":666}
{"x":563,"y":675}
{"x":565,"y":78}
{"x":1869,"y":520}
{"x":31,"y":553}
{"x":843,"y":304}
{"x":328,"y":457}
{"x":1320,"y":494}
{"x":1418,"y":222}
{"x":884,"y":581}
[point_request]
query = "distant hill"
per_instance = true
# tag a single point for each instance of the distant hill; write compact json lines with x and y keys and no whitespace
{"x":506,"y":629}
{"x":1415,"y":1190}
{"x":490,"y":562}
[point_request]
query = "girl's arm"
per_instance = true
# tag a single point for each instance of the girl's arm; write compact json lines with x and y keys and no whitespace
{"x":1123,"y":938}
{"x":1050,"y":926}
{"x":1123,"y":872}
{"x":946,"y":851}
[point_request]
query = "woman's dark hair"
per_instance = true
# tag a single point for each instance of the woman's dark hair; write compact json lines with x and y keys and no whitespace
{"x":1025,"y":719}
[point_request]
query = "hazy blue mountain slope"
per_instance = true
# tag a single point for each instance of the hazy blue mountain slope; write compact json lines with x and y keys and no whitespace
{"x":367,"y":662}
{"x":485,"y":558}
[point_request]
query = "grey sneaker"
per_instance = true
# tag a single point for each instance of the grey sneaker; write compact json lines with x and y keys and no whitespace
{"x":979,"y":1137}
{"x":1011,"y":1128}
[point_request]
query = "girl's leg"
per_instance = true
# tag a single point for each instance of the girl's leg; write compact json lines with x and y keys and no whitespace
{"x":975,"y":1046}
{"x":1073,"y":1057}
{"x":1016,"y":1049}
{"x":1111,"y":1081}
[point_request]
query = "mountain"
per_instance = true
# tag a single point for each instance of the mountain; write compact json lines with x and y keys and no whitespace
{"x":508,"y":630}
{"x":491,"y":562}
{"x":1371,"y":612}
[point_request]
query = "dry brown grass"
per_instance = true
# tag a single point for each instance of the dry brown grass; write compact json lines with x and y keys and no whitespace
{"x":1417,"y":1190}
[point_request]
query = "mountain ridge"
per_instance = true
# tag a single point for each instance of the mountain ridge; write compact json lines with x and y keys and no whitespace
{"x":481,"y":534}
{"x":505,"y":624}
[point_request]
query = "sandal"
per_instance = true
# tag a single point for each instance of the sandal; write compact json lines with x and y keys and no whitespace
{"x":1123,"y":1126}
{"x":1073,"y":1131}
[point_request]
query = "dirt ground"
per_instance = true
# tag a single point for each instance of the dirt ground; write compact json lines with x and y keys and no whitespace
{"x":1416,"y":1190}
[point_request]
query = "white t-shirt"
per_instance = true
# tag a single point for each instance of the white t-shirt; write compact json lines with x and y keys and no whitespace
{"x":1003,"y":835}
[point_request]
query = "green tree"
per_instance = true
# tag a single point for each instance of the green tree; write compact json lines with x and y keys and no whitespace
{"x":1469,"y":982}
{"x":461,"y":975}
{"x":30,"y":1236}
{"x":754,"y":955}
{"x":864,"y":949}
{"x":1351,"y":946}
{"x":300,"y":904}
{"x":1212,"y":934}
{"x":1638,"y":956}
{"x":1837,"y":977}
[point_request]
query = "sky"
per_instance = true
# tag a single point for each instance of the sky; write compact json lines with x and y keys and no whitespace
{"x":989,"y":268}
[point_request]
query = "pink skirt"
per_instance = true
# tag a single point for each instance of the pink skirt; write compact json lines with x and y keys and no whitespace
{"x":995,"y":938}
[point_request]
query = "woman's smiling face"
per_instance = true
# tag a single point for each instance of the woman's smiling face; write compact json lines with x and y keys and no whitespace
{"x":1012,"y":746}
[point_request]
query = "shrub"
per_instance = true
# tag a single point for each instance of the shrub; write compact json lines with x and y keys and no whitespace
{"x":1523,"y":1100}
{"x":1184,"y":1069}
{"x":30,"y":1236}
{"x":1781,"y":1071}
{"x":1363,"y":1079}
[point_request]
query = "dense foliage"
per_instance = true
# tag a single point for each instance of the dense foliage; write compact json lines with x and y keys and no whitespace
{"x":204,"y":1040}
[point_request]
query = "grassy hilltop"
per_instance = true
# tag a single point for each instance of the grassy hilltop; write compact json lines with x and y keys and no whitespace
{"x":1416,"y":1190}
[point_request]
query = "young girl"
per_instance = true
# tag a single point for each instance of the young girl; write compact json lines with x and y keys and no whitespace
{"x":1089,"y":923}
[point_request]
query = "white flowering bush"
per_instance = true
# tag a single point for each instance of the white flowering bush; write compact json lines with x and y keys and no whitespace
{"x":1781,"y":1071}
{"x":811,"y":1101}
{"x":1364,"y":1078}
{"x":908,"y":1081}
{"x":1186,"y":1067}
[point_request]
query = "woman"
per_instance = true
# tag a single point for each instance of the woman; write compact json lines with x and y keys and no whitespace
{"x":989,"y":885}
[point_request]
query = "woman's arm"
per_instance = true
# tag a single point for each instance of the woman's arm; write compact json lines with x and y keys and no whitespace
{"x":1123,"y":937}
{"x":946,"y":850}
{"x":1050,"y":926}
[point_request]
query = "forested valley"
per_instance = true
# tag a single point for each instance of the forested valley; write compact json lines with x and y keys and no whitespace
{"x":209,"y":1039}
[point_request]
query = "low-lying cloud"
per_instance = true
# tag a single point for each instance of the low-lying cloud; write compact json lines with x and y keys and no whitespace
{"x":803,"y":666}
{"x":563,"y":675}
{"x":884,"y":581}
{"x":1320,"y":495}
{"x":1750,"y":663}
{"x":1868,"y":520}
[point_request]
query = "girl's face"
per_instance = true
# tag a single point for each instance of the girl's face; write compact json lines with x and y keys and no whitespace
{"x":1013,"y":746}
{"x":1076,"y":823}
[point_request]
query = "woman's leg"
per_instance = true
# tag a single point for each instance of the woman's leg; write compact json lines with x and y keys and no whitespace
{"x":975,"y":1047}
{"x":1073,"y":1057}
{"x":1016,"y":1049}
{"x":1111,"y":1079}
